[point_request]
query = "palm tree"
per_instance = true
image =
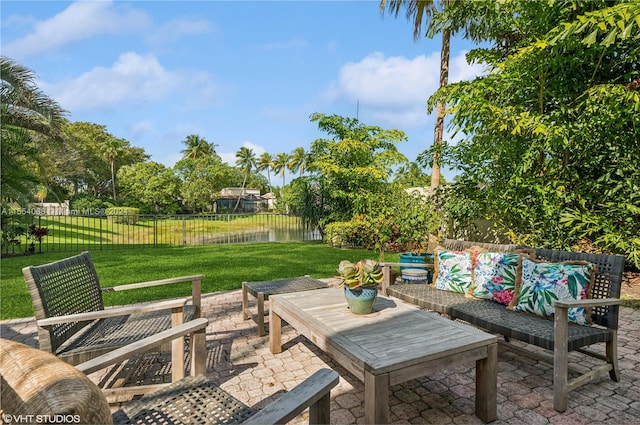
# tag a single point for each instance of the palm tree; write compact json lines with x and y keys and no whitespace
{"x":297,"y":161}
{"x":246,"y":160}
{"x":265,"y":162}
{"x":420,"y":10}
{"x":280,"y":165}
{"x":197,"y":147}
{"x":112,"y":148}
{"x":27,"y":115}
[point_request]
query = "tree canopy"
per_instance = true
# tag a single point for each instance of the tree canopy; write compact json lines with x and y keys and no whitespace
{"x":551,"y":136}
{"x":29,"y":120}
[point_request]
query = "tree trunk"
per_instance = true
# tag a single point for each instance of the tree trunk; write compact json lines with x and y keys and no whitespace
{"x":439,"y":130}
{"x":244,"y":181}
{"x":113,"y":181}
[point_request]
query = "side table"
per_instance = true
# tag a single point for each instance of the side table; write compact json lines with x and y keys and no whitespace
{"x":262,"y":290}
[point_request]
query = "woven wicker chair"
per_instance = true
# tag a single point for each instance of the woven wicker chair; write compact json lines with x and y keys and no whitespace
{"x":37,"y":383}
{"x":72,"y":321}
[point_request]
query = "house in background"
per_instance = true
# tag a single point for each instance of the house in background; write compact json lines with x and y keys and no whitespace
{"x":247,"y":199}
{"x":50,"y":208}
{"x":269,"y":199}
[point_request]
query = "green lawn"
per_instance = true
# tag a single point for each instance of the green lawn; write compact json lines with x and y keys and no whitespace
{"x":224,"y":268}
{"x":86,"y":232}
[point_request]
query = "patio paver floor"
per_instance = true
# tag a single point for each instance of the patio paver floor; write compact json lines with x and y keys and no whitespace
{"x":243,"y":365}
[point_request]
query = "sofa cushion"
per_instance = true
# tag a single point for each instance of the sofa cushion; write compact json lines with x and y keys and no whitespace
{"x":494,"y":276}
{"x":452,"y":270}
{"x":542,"y":283}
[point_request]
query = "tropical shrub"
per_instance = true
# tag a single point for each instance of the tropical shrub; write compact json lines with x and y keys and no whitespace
{"x":550,"y":146}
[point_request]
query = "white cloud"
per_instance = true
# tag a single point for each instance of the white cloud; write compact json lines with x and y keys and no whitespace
{"x":228,"y":157}
{"x":395,"y":89}
{"x":460,"y":70}
{"x":394,"y":81}
{"x":132,"y":78}
{"x":79,"y":21}
{"x":257,"y":150}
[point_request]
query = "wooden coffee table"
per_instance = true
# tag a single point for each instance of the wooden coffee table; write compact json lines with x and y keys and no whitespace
{"x":395,"y":343}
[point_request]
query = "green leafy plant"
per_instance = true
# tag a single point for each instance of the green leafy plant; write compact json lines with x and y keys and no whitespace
{"x":364,"y":273}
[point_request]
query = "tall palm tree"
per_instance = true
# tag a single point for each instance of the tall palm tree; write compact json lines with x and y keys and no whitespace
{"x":111,"y":150}
{"x":280,"y":165}
{"x":265,"y":163}
{"x":419,"y":10}
{"x":27,"y":115}
{"x":246,"y":160}
{"x":197,"y":147}
{"x":298,"y":161}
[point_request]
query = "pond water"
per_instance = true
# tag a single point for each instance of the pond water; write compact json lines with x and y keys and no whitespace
{"x":267,"y":235}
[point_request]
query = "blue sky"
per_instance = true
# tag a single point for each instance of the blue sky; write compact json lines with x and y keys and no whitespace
{"x":238,"y":73}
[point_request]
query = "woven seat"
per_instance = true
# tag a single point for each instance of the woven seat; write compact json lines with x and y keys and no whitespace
{"x":528,"y":328}
{"x":72,"y":321}
{"x":427,"y":297}
{"x":195,"y":400}
{"x":37,"y":383}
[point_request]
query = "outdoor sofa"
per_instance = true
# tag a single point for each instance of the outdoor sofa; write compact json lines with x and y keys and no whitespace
{"x":554,"y":333}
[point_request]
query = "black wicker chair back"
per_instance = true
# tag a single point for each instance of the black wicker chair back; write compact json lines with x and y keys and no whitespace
{"x":607,"y":282}
{"x":68,"y":286}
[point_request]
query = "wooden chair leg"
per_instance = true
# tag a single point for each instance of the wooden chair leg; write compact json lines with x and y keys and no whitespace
{"x":177,"y":346}
{"x":198,"y":353}
{"x":612,"y":356}
{"x":245,"y":302}
{"x":560,"y":359}
{"x":261,"y":330}
{"x":320,"y":411}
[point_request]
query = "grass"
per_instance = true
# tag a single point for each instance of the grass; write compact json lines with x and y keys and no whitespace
{"x":87,"y":232}
{"x":630,"y":302}
{"x":224,"y":267}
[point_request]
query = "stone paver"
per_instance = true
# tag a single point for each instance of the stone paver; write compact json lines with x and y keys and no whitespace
{"x":242,"y":364}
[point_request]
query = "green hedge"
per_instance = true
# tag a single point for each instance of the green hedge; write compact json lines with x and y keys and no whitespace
{"x":126,"y":215}
{"x":339,"y":234}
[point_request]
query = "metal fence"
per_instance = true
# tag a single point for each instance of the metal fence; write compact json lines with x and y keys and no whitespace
{"x":79,"y":232}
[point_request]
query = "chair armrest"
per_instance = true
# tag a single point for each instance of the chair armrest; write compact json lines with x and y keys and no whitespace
{"x":196,"y":287}
{"x":593,"y":302}
{"x":113,"y":312}
{"x":143,"y":346}
{"x":294,"y":402}
{"x":169,"y":281}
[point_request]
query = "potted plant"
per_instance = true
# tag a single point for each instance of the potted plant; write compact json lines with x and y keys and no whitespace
{"x":360,"y":282}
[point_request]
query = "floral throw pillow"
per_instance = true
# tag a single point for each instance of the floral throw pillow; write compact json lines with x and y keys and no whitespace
{"x":494,"y":276}
{"x":452,"y":270}
{"x":543,"y":283}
